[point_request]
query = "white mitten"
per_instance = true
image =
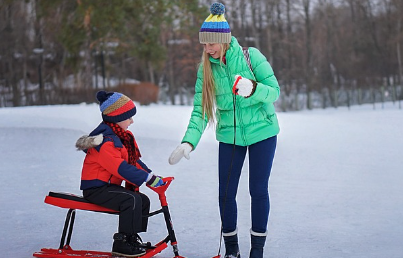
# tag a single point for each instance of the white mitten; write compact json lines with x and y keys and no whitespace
{"x":244,"y":87}
{"x":182,"y":150}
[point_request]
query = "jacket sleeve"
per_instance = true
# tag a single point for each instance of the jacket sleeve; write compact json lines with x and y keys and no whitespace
{"x":197,"y":123}
{"x":267,"y":88}
{"x":143,"y":166}
{"x":110,"y":158}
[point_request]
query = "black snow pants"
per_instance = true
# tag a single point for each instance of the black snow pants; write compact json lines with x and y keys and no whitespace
{"x":133,"y":206}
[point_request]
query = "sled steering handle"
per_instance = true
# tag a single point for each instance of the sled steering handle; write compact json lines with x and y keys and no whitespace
{"x":160,"y":190}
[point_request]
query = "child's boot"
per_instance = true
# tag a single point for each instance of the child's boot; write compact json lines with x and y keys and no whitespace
{"x":258,"y":241}
{"x":122,"y":246}
{"x":136,"y":240}
{"x":231,"y":245}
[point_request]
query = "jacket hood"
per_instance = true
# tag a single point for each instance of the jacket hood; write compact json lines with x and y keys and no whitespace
{"x":86,"y":142}
{"x":100,"y":134}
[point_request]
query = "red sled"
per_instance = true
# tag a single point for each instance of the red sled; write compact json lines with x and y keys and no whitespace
{"x":75,"y":202}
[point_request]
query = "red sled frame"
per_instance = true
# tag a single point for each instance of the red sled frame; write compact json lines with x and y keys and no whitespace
{"x":74,"y":202}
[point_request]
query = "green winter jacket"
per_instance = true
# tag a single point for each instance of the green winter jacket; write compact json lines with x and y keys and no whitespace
{"x":256,"y":119}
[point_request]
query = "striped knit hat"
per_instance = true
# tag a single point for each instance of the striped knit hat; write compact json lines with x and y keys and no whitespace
{"x":215,"y":28}
{"x":115,"y":106}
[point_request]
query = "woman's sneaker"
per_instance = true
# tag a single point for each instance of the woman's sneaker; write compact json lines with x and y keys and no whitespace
{"x":123,"y":247}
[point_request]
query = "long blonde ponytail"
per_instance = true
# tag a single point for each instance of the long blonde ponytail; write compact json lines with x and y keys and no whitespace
{"x":208,"y":96}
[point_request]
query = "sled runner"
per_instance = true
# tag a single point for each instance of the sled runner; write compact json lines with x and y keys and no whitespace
{"x":74,"y":202}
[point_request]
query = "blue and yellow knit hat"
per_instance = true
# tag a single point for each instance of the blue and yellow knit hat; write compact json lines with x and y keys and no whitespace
{"x":215,"y":29}
{"x":115,"y":106}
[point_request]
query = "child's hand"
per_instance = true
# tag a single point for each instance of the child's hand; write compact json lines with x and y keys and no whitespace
{"x":157,"y":182}
{"x":154,"y":181}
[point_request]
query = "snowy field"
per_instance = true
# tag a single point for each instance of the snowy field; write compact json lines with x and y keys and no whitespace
{"x":336,"y":184}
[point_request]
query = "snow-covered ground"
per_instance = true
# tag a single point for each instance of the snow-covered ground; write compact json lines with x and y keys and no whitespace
{"x":336,"y":185}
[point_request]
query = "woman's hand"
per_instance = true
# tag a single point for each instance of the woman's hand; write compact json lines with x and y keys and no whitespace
{"x":182,"y":150}
{"x":243,"y":87}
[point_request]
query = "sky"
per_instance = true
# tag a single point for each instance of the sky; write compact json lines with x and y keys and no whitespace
{"x":335,"y":187}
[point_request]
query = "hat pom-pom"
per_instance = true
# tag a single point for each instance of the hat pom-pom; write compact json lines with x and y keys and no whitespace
{"x":102,"y":96}
{"x":217,"y":9}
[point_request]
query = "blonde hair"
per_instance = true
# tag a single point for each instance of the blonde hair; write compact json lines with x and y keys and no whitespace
{"x":208,"y":89}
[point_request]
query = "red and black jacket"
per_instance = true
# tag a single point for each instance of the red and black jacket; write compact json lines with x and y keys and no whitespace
{"x":107,"y":163}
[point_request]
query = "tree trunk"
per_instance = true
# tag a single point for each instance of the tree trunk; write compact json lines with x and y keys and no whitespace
{"x":87,"y":62}
{"x":308,"y":47}
{"x":255,"y":33}
{"x":172,"y":86}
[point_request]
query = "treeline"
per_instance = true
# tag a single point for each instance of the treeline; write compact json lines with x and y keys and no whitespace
{"x":324,"y":52}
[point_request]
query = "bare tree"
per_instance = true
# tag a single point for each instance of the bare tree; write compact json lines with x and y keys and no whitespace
{"x":306,"y":4}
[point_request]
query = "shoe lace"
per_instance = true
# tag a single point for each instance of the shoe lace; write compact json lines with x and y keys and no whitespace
{"x":136,"y":240}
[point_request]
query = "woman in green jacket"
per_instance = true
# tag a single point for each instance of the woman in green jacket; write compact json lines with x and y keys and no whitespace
{"x":238,"y":99}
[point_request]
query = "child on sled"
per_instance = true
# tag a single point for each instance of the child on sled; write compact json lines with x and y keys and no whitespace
{"x":112,"y":156}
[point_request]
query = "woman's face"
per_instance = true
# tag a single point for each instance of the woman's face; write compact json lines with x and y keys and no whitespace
{"x":213,"y":49}
{"x":125,"y":124}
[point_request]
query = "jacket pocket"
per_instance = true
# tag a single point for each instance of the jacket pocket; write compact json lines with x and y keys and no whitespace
{"x":267,"y":117}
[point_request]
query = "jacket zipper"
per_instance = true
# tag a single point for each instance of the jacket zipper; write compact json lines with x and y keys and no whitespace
{"x":237,"y":112}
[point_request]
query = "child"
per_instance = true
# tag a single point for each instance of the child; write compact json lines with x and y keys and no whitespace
{"x":240,"y":100}
{"x":113,"y":156}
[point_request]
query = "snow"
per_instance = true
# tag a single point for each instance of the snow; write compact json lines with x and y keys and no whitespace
{"x":336,"y":185}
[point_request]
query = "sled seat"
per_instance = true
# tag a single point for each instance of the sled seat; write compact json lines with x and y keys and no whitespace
{"x":74,"y":202}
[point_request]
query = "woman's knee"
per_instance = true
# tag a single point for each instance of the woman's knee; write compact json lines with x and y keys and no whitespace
{"x":259,"y":192}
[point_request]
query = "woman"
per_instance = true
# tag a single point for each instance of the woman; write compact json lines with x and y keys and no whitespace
{"x":239,"y":101}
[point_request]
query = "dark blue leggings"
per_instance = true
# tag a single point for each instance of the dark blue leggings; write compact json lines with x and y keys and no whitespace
{"x":261,"y":157}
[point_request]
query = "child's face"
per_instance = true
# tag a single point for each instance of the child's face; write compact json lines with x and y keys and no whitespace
{"x":213,"y":49}
{"x":125,"y":124}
